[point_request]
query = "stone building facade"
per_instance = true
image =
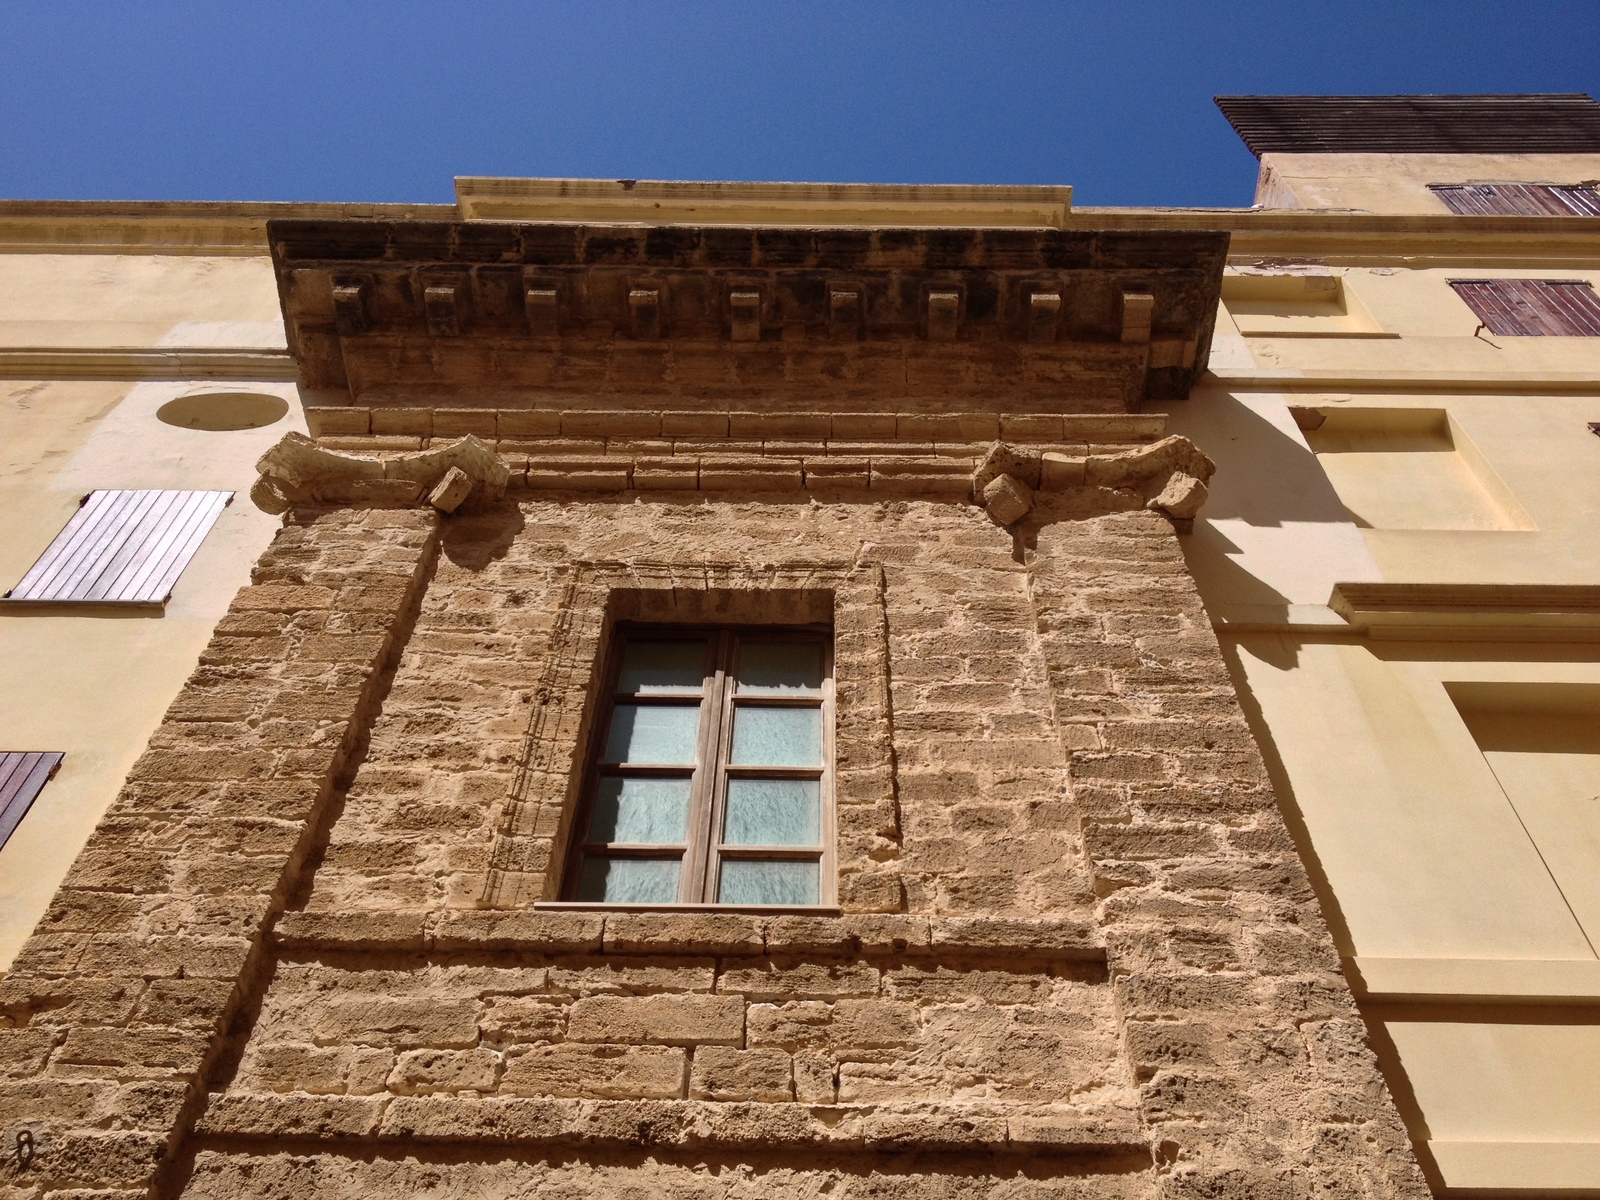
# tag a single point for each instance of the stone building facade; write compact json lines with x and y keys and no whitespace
{"x":1177,"y":583}
{"x":319,"y":941}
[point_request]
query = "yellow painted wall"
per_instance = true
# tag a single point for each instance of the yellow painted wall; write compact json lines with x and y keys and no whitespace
{"x":1398,"y":183}
{"x":95,"y":684}
{"x":1445,"y":793}
{"x":104,"y":300}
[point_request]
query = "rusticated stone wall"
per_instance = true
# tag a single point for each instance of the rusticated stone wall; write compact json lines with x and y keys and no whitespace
{"x":113,"y":1009}
{"x":1075,"y":953}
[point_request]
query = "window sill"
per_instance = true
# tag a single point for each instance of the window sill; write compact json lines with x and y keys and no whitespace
{"x":799,"y":910}
{"x":1319,"y":333}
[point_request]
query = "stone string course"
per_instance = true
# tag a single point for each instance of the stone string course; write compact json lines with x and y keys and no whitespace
{"x":1075,"y":954}
{"x":591,"y":427}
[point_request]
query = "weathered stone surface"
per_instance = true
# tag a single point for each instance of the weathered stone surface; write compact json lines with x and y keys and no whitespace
{"x":623,"y":1072}
{"x":724,"y":1073}
{"x":1061,"y":873}
{"x":175,"y":892}
{"x":1007,"y":498}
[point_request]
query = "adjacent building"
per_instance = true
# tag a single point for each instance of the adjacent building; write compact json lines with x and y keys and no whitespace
{"x":771,"y":690}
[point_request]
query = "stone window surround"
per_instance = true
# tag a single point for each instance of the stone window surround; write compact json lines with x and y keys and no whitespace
{"x":534,"y":829}
{"x":704,"y":849}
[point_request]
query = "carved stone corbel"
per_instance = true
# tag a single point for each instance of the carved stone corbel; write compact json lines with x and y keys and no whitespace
{"x":1170,"y":475}
{"x":299,"y":471}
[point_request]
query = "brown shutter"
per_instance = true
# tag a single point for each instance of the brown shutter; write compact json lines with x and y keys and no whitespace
{"x":23,"y":775}
{"x":122,"y":547}
{"x":1533,"y":307}
{"x":1518,"y":199}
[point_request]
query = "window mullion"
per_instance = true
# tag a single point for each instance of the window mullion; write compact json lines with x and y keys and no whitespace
{"x":707,"y":749}
{"x":718,"y":772}
{"x":827,"y":890}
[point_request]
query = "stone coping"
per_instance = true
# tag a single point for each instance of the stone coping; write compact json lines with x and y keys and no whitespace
{"x":1025,"y":1129}
{"x":565,"y":932}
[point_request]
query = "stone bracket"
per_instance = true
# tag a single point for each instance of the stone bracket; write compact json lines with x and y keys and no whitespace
{"x":1171,"y":474}
{"x":299,"y":471}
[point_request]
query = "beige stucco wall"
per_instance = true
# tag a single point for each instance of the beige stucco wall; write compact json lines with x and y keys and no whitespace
{"x":137,"y":299}
{"x":1398,"y":183}
{"x":95,"y":684}
{"x":1453,"y":849}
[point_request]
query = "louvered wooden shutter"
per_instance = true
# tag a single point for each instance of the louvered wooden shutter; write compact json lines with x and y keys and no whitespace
{"x":122,"y":548}
{"x":1518,"y":199}
{"x":23,"y":775}
{"x":1533,"y":307}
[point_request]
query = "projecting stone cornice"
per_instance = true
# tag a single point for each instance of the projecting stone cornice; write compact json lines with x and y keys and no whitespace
{"x":500,"y":314}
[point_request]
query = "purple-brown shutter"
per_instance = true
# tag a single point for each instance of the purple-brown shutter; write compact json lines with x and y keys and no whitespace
{"x":23,"y":774}
{"x":122,"y":547}
{"x":1533,"y":307}
{"x":1518,"y":199}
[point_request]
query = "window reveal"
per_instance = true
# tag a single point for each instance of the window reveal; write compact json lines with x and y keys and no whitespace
{"x":710,"y":777}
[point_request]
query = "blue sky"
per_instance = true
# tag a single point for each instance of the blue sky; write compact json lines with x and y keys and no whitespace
{"x":330,"y":100}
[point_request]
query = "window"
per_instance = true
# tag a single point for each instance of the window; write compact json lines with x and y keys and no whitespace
{"x":1518,"y":199}
{"x":23,"y":775}
{"x":1533,"y":307}
{"x":122,"y":547}
{"x":710,"y":775}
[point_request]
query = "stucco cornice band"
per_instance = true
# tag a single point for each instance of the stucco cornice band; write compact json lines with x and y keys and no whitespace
{"x":1402,"y":382}
{"x":127,"y":362}
{"x":1410,"y":610}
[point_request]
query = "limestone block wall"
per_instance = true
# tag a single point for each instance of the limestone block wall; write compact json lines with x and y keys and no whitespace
{"x":113,"y":1009}
{"x":1074,"y":952}
{"x":775,"y":1029}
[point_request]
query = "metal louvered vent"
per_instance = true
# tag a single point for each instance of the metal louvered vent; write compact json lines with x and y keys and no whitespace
{"x":1518,"y":199}
{"x":1533,"y":307}
{"x":122,"y":547}
{"x":23,"y":775}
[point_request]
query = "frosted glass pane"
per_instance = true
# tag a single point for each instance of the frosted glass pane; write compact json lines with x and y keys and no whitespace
{"x":773,"y":812}
{"x":774,"y":668}
{"x":652,"y":733}
{"x":629,"y":880}
{"x":777,"y":737}
{"x":752,"y":881}
{"x":663,"y":667}
{"x":641,"y":811}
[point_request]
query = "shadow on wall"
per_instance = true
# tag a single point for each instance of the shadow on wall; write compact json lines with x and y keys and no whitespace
{"x":1265,"y":477}
{"x":479,"y":534}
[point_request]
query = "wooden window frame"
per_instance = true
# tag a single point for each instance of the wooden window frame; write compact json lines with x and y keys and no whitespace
{"x":704,"y":852}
